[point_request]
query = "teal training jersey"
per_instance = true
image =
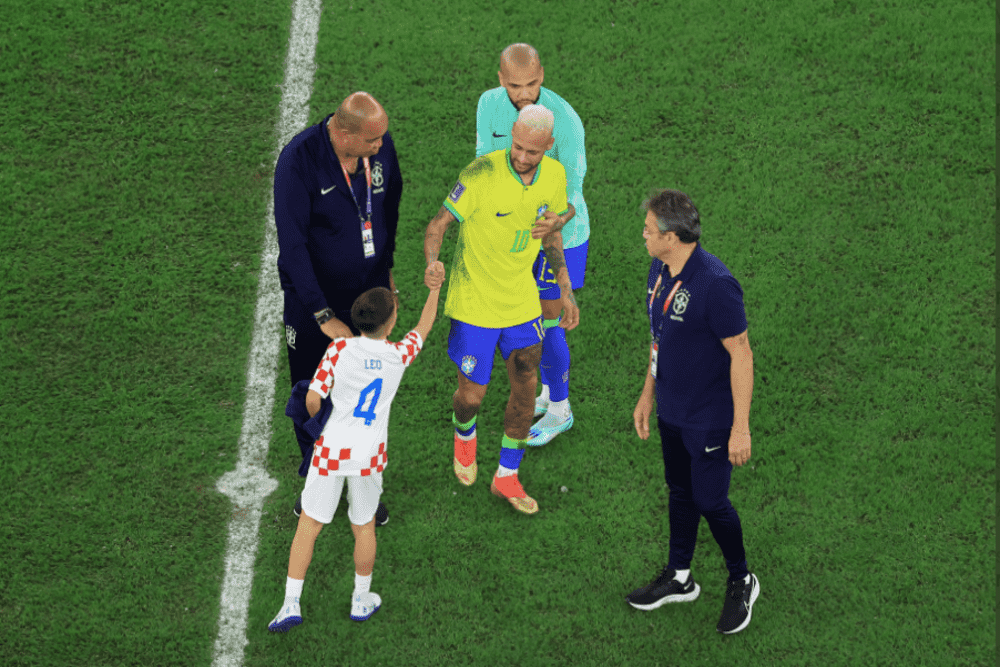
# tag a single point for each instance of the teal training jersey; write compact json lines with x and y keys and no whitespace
{"x":495,"y":116}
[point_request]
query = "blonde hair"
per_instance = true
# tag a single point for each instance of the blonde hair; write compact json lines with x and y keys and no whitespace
{"x":536,"y":117}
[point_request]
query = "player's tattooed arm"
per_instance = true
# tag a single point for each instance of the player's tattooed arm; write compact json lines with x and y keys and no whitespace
{"x":570,"y":213}
{"x":552,"y":245}
{"x":434,"y":236}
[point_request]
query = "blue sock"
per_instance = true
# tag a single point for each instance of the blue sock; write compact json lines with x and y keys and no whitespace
{"x":511,"y":458}
{"x":555,"y":358}
{"x":512,"y":452}
{"x":464,"y":430}
{"x":543,"y":368}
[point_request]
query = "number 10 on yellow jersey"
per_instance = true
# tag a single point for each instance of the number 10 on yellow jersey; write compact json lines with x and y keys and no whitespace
{"x":521,"y":240}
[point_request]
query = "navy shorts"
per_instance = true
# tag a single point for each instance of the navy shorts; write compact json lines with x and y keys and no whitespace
{"x":576,"y":264}
{"x":472,"y":348}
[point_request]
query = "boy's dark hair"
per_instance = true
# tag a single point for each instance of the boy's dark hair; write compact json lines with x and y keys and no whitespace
{"x":675,"y":212}
{"x":372,"y":310}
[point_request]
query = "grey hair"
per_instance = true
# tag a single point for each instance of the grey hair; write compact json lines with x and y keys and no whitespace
{"x":674,"y":212}
{"x":536,"y":117}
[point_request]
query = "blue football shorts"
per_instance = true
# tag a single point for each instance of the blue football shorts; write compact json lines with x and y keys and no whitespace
{"x":576,"y":263}
{"x":472,"y":348}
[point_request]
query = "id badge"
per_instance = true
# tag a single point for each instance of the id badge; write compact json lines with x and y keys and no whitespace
{"x":653,"y":351}
{"x":369,"y":249}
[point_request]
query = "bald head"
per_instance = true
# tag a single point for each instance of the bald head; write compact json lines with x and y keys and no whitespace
{"x":519,"y":57}
{"x":522,"y":74}
{"x":357,"y":110}
{"x":357,"y":128}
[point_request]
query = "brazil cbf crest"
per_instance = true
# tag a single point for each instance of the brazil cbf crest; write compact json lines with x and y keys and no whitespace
{"x":681,"y":300}
{"x":468,"y":364}
{"x":377,"y":174}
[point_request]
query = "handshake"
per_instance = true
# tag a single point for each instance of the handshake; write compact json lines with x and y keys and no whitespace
{"x":434,"y":275}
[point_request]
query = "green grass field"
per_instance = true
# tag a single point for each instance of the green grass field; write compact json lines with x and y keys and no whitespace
{"x":843,"y":157}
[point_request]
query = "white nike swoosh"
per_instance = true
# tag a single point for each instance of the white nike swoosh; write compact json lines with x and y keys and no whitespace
{"x":713,"y":448}
{"x":323,"y":192}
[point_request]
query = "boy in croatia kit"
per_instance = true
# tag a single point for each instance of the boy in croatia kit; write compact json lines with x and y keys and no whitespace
{"x":361,"y":376}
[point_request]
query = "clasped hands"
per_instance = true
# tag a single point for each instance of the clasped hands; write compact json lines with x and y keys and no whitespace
{"x":547,"y":223}
{"x":434,"y":275}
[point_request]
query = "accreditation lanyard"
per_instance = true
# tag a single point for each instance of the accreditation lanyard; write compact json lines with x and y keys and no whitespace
{"x":654,"y":349}
{"x":366,"y":225}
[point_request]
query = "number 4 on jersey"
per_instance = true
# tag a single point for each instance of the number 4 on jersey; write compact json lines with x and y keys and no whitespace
{"x":375,"y":390}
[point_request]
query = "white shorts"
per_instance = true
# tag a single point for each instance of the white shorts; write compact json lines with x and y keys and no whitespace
{"x":322,"y":495}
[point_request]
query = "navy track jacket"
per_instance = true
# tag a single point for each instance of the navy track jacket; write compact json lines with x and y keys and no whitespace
{"x":321,"y":258}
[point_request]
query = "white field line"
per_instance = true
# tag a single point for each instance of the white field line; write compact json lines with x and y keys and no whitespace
{"x":249,"y":484}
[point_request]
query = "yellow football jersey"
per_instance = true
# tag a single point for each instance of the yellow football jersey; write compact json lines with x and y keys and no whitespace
{"x":491,"y":284}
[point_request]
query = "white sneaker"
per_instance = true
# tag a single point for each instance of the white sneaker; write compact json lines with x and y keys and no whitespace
{"x":546,"y":429}
{"x":288,"y":617}
{"x":364,"y":605}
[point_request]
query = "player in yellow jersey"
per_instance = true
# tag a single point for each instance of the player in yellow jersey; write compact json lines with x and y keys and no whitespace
{"x":506,"y":202}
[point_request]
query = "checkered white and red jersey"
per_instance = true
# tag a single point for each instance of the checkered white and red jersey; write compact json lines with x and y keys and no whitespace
{"x":365,"y":375}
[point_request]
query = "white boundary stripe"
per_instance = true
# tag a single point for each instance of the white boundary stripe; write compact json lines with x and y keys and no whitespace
{"x":249,"y":484}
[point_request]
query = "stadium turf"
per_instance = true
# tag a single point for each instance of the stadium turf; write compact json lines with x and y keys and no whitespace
{"x":843,"y":157}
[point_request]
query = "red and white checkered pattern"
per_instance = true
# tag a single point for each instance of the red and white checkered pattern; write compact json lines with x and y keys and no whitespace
{"x":409,"y":347}
{"x":361,"y":377}
{"x":327,"y":460}
{"x":324,"y":374}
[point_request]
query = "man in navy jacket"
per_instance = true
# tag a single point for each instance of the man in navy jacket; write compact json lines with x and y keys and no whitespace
{"x":337,"y":189}
{"x":700,"y":380}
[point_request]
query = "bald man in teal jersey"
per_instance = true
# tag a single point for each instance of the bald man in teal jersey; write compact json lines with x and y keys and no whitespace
{"x":521,"y":75}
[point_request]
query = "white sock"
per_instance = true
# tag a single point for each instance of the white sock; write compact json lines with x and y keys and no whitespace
{"x":293,"y":589}
{"x":465,"y":438}
{"x":560,"y":409}
{"x":556,"y":414}
{"x":362,"y":584}
{"x":682,"y":575}
{"x":545,"y":392}
{"x":506,"y":472}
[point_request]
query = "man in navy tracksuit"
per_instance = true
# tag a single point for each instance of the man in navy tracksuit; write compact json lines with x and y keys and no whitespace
{"x":701,"y":378}
{"x":337,"y":189}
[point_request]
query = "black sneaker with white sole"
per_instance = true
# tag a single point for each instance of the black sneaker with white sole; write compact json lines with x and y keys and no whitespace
{"x":736,"y":609}
{"x":297,"y":510}
{"x":381,"y":515}
{"x":665,"y":588}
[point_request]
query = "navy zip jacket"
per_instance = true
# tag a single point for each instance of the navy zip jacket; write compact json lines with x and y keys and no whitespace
{"x":321,"y":258}
{"x":296,"y":409}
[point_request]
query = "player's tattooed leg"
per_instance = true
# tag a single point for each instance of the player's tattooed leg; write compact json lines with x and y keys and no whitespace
{"x":522,"y":369}
{"x":467,"y":398}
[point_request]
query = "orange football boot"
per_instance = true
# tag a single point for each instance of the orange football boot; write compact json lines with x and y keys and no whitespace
{"x":510,"y":488}
{"x":465,"y":460}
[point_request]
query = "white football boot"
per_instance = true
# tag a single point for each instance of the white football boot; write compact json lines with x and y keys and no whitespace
{"x":364,"y":605}
{"x":287,"y":618}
